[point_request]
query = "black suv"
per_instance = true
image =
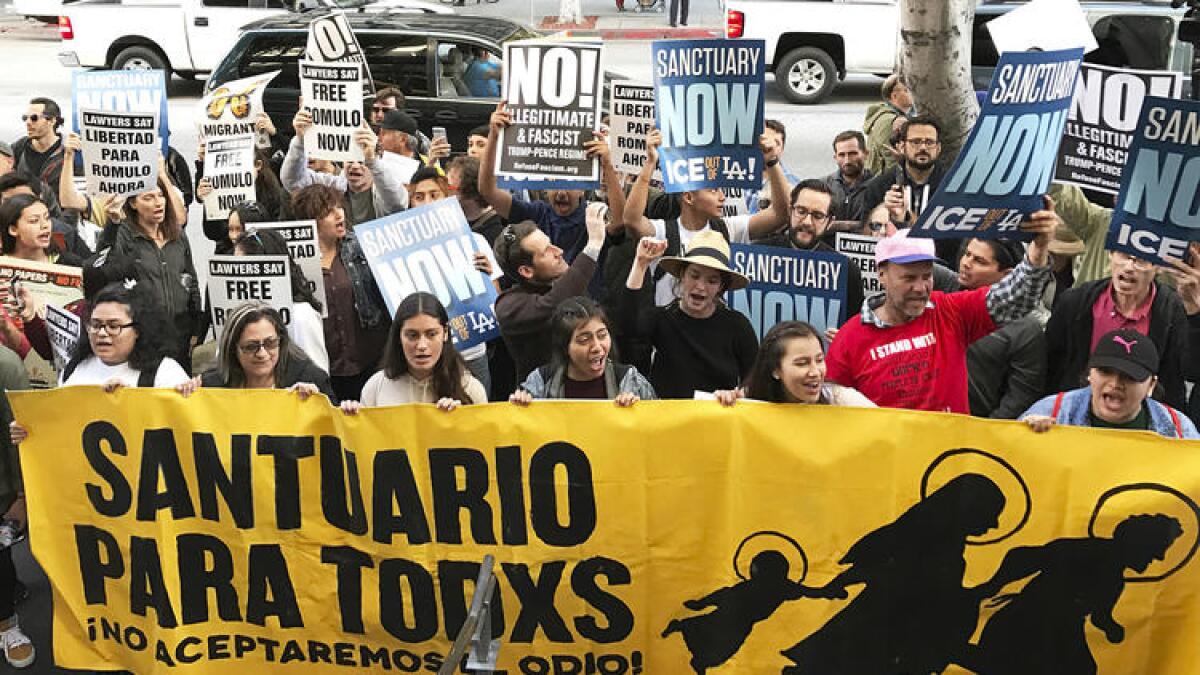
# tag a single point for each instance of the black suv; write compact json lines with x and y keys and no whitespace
{"x":422,"y":55}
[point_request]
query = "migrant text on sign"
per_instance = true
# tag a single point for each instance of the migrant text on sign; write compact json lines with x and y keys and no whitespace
{"x":233,"y":108}
{"x":860,"y":249}
{"x":257,"y":533}
{"x":430,"y":248}
{"x":120,"y":152}
{"x":1008,"y":162}
{"x":630,"y":118}
{"x":301,"y":238}
{"x":1102,"y":121}
{"x":708,"y":98}
{"x":1158,"y":209}
{"x":233,"y":280}
{"x":229,"y":168}
{"x":789,"y":285}
{"x":333,"y":93}
{"x":64,"y":329}
{"x":142,"y":91}
{"x":553,"y":91}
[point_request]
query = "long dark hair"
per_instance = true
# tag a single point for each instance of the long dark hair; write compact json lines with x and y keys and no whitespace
{"x":270,"y":242}
{"x":171,"y":228}
{"x":10,"y":214}
{"x":568,"y":316}
{"x":229,"y":367}
{"x":155,"y":335}
{"x":450,"y":367}
{"x":761,"y":383}
{"x":268,"y":190}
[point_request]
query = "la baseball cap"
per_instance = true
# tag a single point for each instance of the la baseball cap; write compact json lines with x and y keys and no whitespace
{"x":1126,"y":351}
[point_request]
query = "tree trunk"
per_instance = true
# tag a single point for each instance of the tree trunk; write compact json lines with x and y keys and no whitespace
{"x":935,"y":62}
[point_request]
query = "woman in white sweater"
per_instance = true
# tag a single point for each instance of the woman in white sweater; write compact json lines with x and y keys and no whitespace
{"x":420,"y":364}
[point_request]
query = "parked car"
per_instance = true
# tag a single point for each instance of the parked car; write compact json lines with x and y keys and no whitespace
{"x":811,"y":45}
{"x":423,"y":56}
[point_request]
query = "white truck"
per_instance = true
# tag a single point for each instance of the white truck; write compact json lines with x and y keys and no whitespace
{"x":185,"y":37}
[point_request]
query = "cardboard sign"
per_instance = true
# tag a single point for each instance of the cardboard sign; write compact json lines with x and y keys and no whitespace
{"x":53,"y":285}
{"x":553,"y":90}
{"x":630,"y":117}
{"x":789,"y":285}
{"x":64,"y":329}
{"x":1044,"y":25}
{"x":1008,"y":161}
{"x":708,"y":98}
{"x":1102,"y":122}
{"x":430,"y":248}
{"x":333,"y":93}
{"x":232,"y":108}
{"x":233,"y":280}
{"x":301,"y":238}
{"x":120,"y":152}
{"x":140,"y":91}
{"x":1158,"y":209}
{"x":229,"y":168}
{"x":330,"y":39}
{"x":860,"y":249}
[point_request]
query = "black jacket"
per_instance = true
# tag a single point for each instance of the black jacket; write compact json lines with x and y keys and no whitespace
{"x":1006,"y":370}
{"x":871,"y":194}
{"x":299,"y":370}
{"x":1069,"y":340}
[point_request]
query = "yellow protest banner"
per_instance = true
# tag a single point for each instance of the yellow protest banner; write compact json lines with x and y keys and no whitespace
{"x":247,"y":530}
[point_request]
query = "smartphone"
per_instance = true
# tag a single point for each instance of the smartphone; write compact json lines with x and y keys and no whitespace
{"x":439,"y":132}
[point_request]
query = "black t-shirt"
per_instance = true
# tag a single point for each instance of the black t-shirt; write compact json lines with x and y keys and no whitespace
{"x":591,"y":389}
{"x":1141,"y":422}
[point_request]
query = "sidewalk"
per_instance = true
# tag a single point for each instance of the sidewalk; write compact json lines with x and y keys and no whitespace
{"x":601,"y":18}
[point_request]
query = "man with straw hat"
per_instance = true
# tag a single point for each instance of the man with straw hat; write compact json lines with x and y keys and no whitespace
{"x":699,"y":343}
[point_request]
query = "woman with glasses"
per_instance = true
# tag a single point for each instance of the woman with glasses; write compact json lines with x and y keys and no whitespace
{"x":420,"y":364}
{"x":257,"y":353}
{"x":271,"y":202}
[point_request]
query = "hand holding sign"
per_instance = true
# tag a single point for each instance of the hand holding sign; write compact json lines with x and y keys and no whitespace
{"x":500,"y":118}
{"x":771,"y":148}
{"x":597,"y":147}
{"x":1042,"y":224}
{"x":1187,"y":279}
{"x":366,"y":140}
{"x":302,"y":120}
{"x":653,"y":140}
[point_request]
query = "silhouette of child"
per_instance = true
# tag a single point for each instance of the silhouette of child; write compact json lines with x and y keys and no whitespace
{"x":714,"y":637}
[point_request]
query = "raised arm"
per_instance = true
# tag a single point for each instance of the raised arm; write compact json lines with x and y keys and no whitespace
{"x":1017,"y":294}
{"x":500,"y":200}
{"x":634,"y":217}
{"x":174,"y":196}
{"x":598,"y":147}
{"x":68,"y":196}
{"x":765,"y":223}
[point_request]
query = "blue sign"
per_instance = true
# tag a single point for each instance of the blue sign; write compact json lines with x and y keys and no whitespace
{"x":430,"y":248}
{"x":708,"y":104}
{"x":790,"y":285}
{"x":143,"y":91}
{"x":1010,"y":157}
{"x":1158,"y":209}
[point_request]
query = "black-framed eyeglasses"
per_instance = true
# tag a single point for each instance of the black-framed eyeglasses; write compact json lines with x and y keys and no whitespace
{"x":801,"y":213}
{"x":111,"y":328}
{"x":919,"y":142}
{"x":251,"y":348}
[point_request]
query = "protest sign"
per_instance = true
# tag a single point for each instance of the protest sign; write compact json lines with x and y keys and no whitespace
{"x":141,"y":91}
{"x":233,"y":280}
{"x":51,"y":285}
{"x":430,"y":248}
{"x":1008,"y":161}
{"x":330,"y":39}
{"x":301,"y":238}
{"x":1102,"y":120}
{"x":789,"y":285}
{"x":1042,"y":25}
{"x":708,"y":98}
{"x":735,"y":203}
{"x":630,"y":118}
{"x":1158,"y":209}
{"x":553,"y":91}
{"x":333,"y":93}
{"x":860,"y":249}
{"x":233,"y":108}
{"x":229,"y":168}
{"x":258,"y":533}
{"x":120,"y":152}
{"x":64,"y":329}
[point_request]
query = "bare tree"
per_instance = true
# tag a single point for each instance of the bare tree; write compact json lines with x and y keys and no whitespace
{"x":935,"y":61}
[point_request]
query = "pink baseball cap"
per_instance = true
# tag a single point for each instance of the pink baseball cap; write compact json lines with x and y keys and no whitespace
{"x":902,"y":249}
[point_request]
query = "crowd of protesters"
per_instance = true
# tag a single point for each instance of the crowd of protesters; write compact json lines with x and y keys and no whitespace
{"x":614,"y":294}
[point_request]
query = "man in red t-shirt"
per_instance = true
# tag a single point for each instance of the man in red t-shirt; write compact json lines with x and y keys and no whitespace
{"x":908,"y":347}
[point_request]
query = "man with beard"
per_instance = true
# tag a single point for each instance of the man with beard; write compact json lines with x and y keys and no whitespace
{"x":907,"y":348}
{"x":562,"y":216}
{"x":850,"y":152}
{"x":1130,"y":299}
{"x":811,"y":203}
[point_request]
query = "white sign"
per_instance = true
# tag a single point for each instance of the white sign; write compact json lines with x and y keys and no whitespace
{"x":64,"y":328}
{"x":630,"y":118}
{"x":333,"y":93}
{"x":229,"y":168}
{"x":402,"y":168}
{"x":860,"y":249}
{"x":232,"y":108}
{"x":233,"y":280}
{"x":301,"y":238}
{"x":120,"y":151}
{"x":1047,"y":25}
{"x":330,"y":39}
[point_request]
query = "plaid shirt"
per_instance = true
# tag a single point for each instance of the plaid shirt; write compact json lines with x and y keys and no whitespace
{"x":1009,"y":299}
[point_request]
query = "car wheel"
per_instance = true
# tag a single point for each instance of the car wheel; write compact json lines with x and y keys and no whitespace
{"x":806,"y":75}
{"x":140,"y":58}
